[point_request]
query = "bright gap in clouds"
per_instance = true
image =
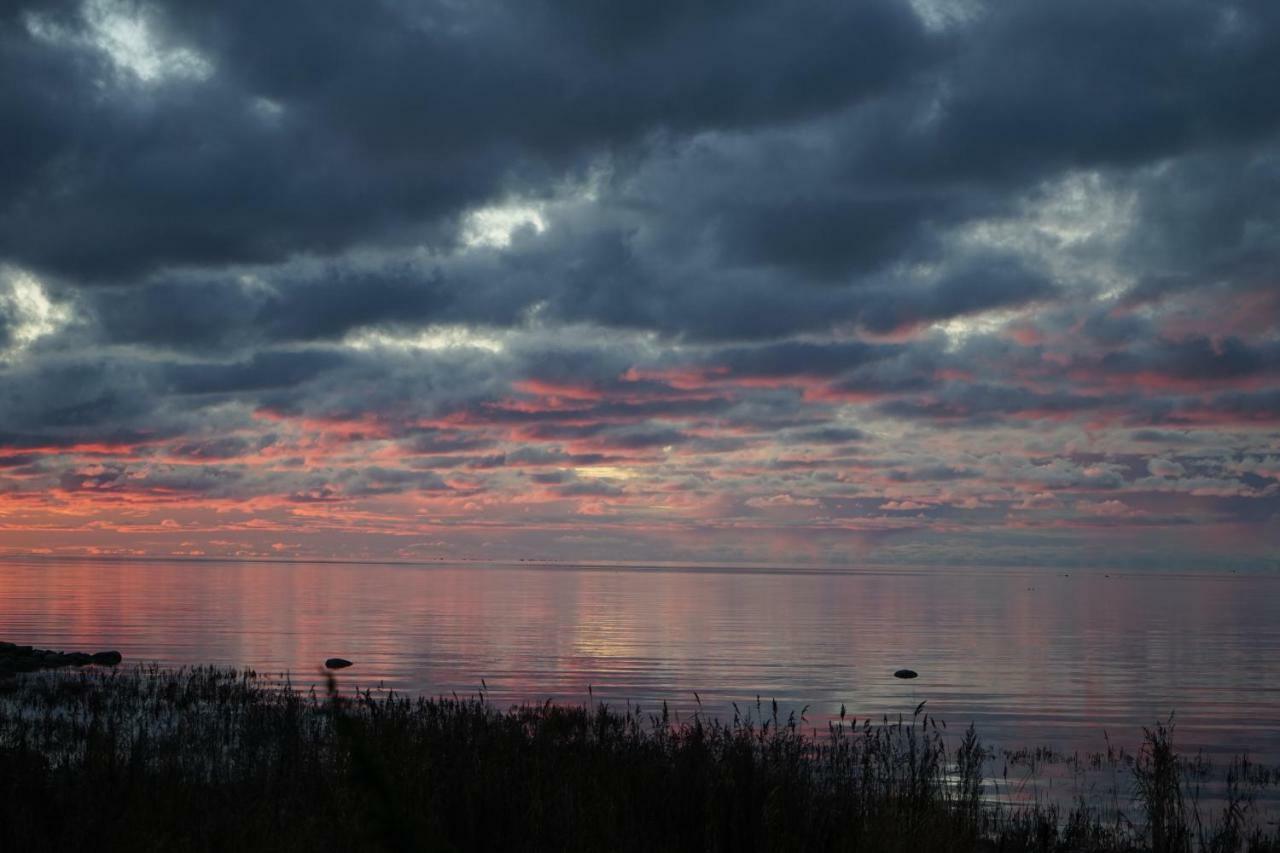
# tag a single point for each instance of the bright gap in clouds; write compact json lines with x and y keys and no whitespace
{"x":604,"y":472}
{"x":33,"y":314}
{"x":1073,"y":227}
{"x":941,"y":15}
{"x":957,"y":329}
{"x":495,"y":227}
{"x":125,"y":32}
{"x":442,"y":337}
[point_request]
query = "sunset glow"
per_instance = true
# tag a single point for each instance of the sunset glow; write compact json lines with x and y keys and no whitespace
{"x":266,"y":304}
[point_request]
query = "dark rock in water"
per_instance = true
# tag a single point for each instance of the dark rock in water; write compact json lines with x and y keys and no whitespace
{"x":906,"y":673}
{"x":15,"y":658}
{"x":337,"y":663}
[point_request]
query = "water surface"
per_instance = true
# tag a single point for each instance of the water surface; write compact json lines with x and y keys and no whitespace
{"x":1032,"y":656}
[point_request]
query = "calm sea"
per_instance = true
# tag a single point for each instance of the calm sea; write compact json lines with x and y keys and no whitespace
{"x":1032,"y":656}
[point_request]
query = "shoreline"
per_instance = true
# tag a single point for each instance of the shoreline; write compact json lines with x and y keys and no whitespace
{"x":205,"y":754}
{"x":18,"y":659}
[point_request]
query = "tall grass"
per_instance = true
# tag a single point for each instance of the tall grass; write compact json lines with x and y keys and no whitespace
{"x":209,"y":759}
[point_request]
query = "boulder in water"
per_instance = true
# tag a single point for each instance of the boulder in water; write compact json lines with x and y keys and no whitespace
{"x":15,"y":658}
{"x":337,"y":663}
{"x":906,"y":673}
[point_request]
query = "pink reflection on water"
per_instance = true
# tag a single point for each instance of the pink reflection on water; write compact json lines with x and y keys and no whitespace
{"x":1032,"y":656}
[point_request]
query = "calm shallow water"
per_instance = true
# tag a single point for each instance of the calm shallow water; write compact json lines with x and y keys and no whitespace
{"x":1032,"y":657}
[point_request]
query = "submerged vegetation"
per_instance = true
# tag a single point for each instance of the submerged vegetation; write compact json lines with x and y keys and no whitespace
{"x":210,"y":759}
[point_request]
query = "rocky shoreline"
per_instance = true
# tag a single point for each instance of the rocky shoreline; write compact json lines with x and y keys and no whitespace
{"x":16,"y":659}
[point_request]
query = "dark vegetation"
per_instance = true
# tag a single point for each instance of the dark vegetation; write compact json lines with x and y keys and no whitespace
{"x":208,"y":759}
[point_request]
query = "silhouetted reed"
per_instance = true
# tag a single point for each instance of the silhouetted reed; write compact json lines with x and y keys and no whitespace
{"x":209,"y":759}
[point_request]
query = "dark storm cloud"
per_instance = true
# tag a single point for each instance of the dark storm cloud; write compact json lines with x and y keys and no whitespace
{"x":933,"y":473}
{"x":1197,"y":358}
{"x":295,"y":305}
{"x":264,"y":370}
{"x":1245,"y":406}
{"x":534,"y":455}
{"x":605,"y":412}
{"x":390,"y":114}
{"x":221,"y":448}
{"x":1027,"y":92}
{"x":185,"y":172}
{"x":357,"y":154}
{"x":388,"y":481}
{"x":828,"y":435}
{"x":552,"y":76}
{"x":1115,"y":329}
{"x":123,"y":398}
{"x":18,"y":460}
{"x":999,"y":283}
{"x":1045,"y":86}
{"x":826,"y":236}
{"x":83,"y":393}
{"x":1209,"y":220}
{"x":8,"y":321}
{"x":445,"y":441}
{"x":54,"y":441}
{"x":886,"y":115}
{"x":977,"y":403}
{"x":1162,"y":436}
{"x":797,"y":358}
{"x":637,"y":438}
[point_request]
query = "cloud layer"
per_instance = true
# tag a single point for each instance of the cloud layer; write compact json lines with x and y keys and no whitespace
{"x":982,"y":282}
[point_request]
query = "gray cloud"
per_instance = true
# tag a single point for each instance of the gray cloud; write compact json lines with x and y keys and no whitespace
{"x":444,"y":250}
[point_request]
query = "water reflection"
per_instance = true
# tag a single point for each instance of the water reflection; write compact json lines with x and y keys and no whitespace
{"x":1033,"y":656}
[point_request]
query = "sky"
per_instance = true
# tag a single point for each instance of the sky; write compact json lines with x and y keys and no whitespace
{"x":686,"y":280}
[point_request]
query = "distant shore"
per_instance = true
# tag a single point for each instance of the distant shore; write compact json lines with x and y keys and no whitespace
{"x":207,"y":758}
{"x":15,"y":659}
